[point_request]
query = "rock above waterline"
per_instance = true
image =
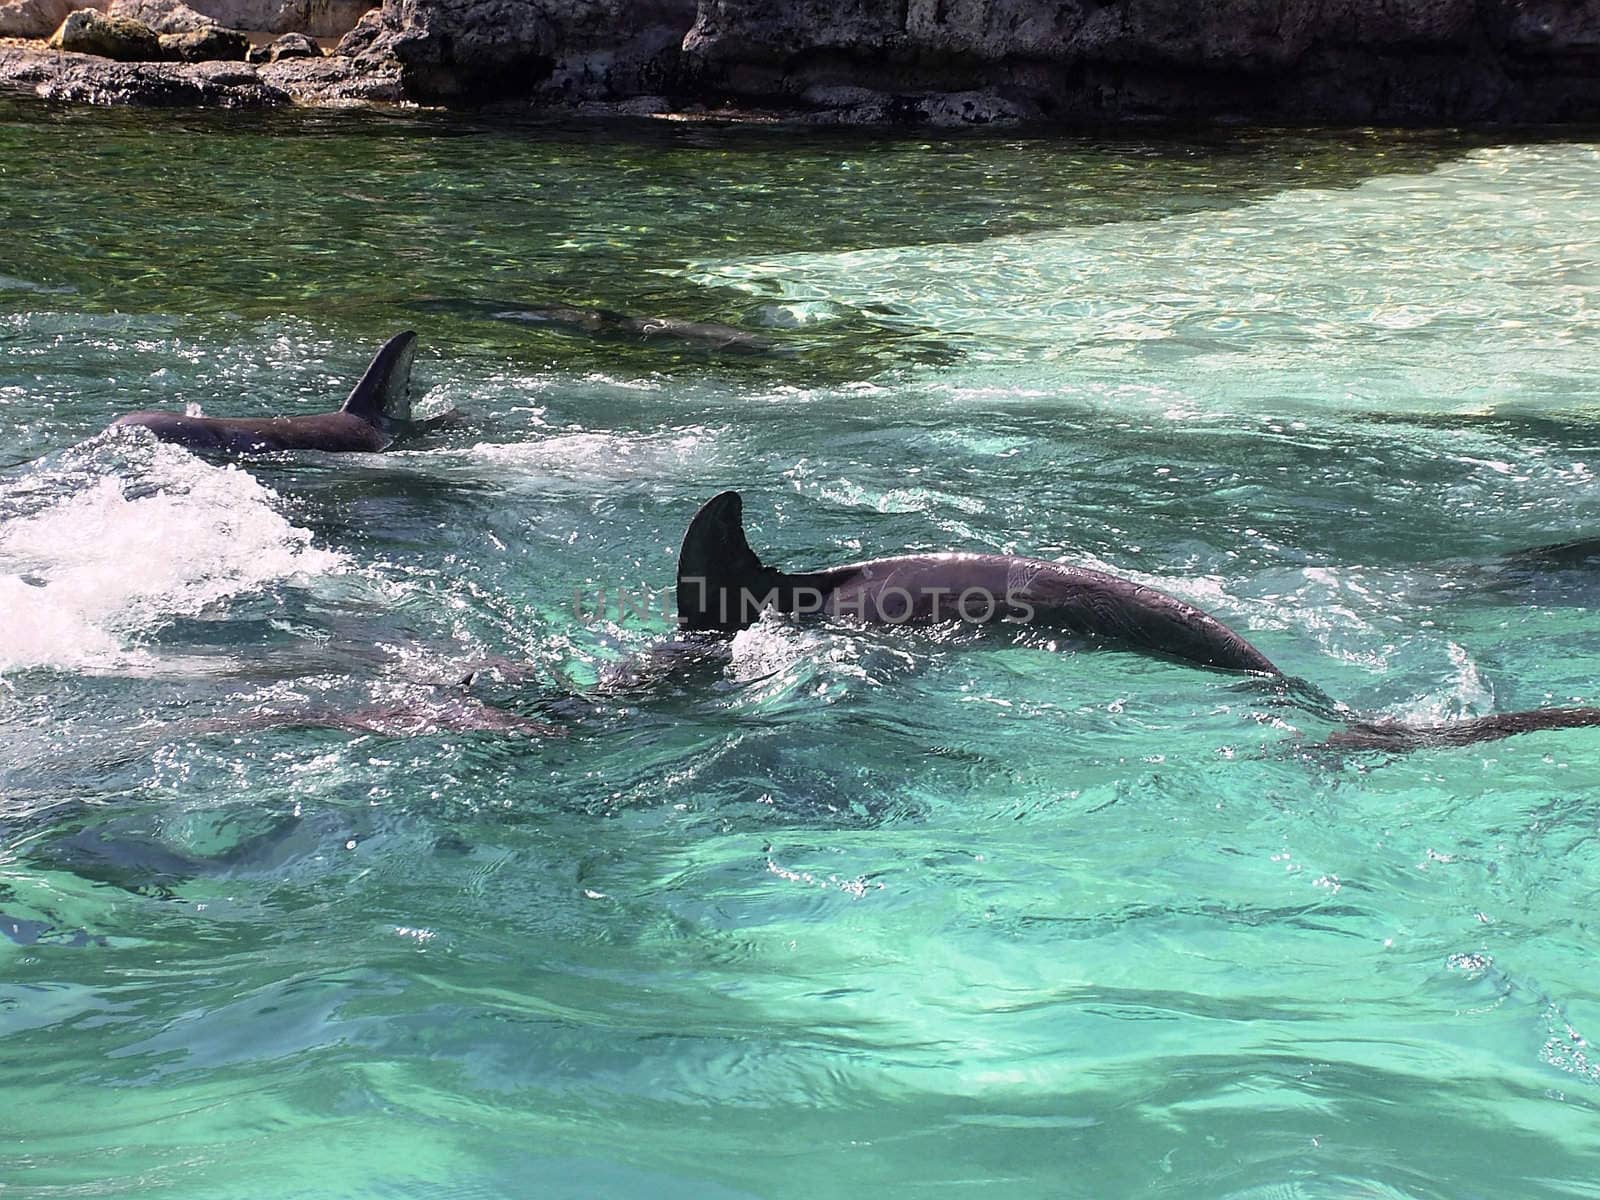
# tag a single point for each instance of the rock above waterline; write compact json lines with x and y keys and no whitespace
{"x":208,"y":44}
{"x":120,"y":38}
{"x":1411,"y":61}
{"x":984,"y":61}
{"x":333,"y":81}
{"x":948,"y":61}
{"x":163,"y":16}
{"x":290,"y":45}
{"x":86,"y":79}
{"x":33,"y":18}
{"x":565,"y":50}
{"x":319,"y":18}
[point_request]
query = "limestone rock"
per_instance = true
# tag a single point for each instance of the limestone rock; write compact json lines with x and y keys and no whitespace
{"x":362,"y":35}
{"x":120,"y":38}
{"x":334,"y":81}
{"x":319,"y":18}
{"x":166,"y":85}
{"x":1093,"y":60}
{"x":34,"y":18}
{"x":86,"y":79}
{"x":940,"y":61}
{"x":569,"y":49}
{"x":290,"y":45}
{"x":163,"y":16}
{"x":210,"y":43}
{"x":295,"y":45}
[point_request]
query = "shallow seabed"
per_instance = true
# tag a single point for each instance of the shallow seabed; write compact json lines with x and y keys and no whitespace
{"x":842,"y":912}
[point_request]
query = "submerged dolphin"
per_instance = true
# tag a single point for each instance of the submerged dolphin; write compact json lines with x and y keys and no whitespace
{"x":26,"y":932}
{"x":377,"y":411}
{"x":603,"y":322}
{"x":600,"y":321}
{"x":724,"y":587}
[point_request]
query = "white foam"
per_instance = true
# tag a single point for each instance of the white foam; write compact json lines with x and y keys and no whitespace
{"x":1464,"y":694}
{"x":603,"y":457}
{"x":113,"y":556}
{"x":781,"y":656}
{"x":775,"y":644}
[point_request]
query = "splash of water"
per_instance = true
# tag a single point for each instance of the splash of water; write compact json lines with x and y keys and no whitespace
{"x":110,"y":546}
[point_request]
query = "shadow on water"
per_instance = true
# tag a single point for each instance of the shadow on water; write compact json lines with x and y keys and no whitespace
{"x":121,"y":852}
{"x":1574,"y":428}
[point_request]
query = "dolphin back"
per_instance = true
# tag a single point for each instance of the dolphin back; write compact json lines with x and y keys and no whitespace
{"x":1107,"y":606}
{"x":383,"y":397}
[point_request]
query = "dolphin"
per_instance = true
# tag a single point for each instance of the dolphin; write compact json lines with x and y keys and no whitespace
{"x":724,"y":587}
{"x":603,"y":322}
{"x":377,"y":411}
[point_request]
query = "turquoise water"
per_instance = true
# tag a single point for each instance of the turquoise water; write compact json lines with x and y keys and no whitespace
{"x":844,"y":911}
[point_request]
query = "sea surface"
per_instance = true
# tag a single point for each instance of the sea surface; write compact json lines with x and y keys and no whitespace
{"x":829,"y":911}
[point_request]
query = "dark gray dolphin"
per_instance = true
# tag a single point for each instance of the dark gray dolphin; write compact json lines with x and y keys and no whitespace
{"x":724,"y":587}
{"x":605,"y":323}
{"x":377,"y":411}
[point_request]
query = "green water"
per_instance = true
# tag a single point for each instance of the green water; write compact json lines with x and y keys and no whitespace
{"x":842,"y":912}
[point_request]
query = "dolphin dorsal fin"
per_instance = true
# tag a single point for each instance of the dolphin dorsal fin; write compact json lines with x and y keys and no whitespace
{"x":384,"y":394}
{"x":720,"y":579}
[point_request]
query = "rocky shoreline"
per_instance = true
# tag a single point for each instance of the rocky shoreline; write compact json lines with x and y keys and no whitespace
{"x":941,"y":62}
{"x":88,"y":79}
